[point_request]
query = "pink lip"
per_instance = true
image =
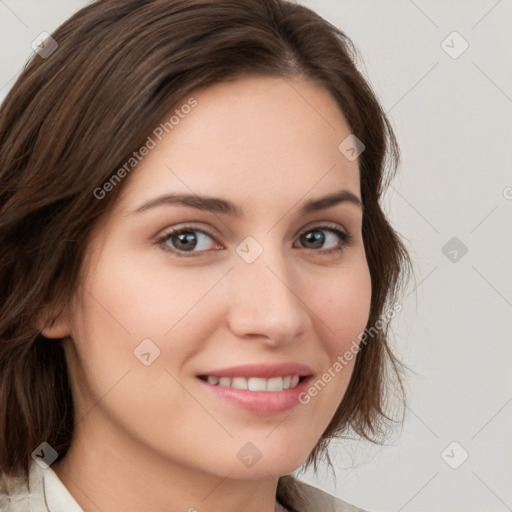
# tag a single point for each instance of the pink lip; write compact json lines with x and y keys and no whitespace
{"x":262,"y":371}
{"x":261,"y":402}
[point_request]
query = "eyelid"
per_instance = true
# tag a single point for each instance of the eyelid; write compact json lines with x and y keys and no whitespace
{"x":322,"y":224}
{"x":188,"y":225}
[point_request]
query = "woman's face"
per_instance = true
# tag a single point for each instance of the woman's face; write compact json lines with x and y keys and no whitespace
{"x":267,"y":287}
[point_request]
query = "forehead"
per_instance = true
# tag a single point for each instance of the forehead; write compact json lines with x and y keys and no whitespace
{"x":255,"y":137}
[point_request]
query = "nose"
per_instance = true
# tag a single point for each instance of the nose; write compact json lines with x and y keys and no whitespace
{"x":266,"y":302}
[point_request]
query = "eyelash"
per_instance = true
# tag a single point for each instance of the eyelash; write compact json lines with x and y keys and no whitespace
{"x":346,"y":240}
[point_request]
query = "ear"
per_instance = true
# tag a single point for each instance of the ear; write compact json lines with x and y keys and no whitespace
{"x":56,"y":326}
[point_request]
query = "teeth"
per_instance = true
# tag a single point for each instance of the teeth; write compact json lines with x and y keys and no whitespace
{"x":238,"y":383}
{"x":275,"y":384}
{"x":256,"y":383}
{"x":225,"y":381}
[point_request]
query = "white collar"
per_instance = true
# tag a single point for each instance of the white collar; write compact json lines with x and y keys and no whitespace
{"x":56,"y":495}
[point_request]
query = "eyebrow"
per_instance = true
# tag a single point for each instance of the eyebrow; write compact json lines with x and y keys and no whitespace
{"x":218,"y":205}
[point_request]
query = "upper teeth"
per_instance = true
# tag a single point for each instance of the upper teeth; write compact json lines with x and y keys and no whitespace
{"x":256,"y":383}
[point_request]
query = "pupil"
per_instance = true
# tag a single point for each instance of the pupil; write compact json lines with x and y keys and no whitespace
{"x":315,"y":237}
{"x":187,"y":240}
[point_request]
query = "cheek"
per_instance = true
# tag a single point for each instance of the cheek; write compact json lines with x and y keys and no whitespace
{"x":147,"y":297}
{"x":128,"y":302}
{"x":343,"y":304}
{"x":341,"y":307}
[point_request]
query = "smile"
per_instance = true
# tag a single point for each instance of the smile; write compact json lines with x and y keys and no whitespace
{"x":254,"y":383}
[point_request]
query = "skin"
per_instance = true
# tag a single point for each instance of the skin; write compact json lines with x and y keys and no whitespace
{"x":150,"y":437}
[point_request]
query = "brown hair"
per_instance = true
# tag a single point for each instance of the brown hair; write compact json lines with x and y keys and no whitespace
{"x":73,"y":118}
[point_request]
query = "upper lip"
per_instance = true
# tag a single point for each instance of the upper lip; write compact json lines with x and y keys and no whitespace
{"x":266,"y":371}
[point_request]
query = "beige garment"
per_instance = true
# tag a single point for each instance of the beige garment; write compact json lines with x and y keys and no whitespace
{"x":46,"y":493}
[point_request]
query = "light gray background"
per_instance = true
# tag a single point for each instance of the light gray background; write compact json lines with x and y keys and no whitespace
{"x":453,"y":120}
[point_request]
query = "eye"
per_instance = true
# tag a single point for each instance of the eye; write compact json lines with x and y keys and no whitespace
{"x":192,"y":240}
{"x":315,"y":237}
{"x":186,"y":239}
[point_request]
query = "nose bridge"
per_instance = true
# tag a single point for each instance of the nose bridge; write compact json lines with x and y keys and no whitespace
{"x":265,"y":299}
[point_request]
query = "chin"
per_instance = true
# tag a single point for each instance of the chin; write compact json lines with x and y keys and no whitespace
{"x":275,"y":465}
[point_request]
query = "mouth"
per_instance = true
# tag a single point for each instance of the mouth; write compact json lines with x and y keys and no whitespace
{"x":255,"y":383}
{"x":260,"y":388}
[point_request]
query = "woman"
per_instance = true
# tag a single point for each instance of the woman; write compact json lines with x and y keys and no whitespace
{"x":197,"y":276}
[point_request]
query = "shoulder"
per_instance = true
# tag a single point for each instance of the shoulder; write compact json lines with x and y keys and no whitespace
{"x":307,"y":498}
{"x":43,"y":492}
{"x":323,"y":501}
{"x":19,"y":495}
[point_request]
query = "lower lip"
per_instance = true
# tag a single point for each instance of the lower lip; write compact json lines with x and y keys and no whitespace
{"x":260,"y":402}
